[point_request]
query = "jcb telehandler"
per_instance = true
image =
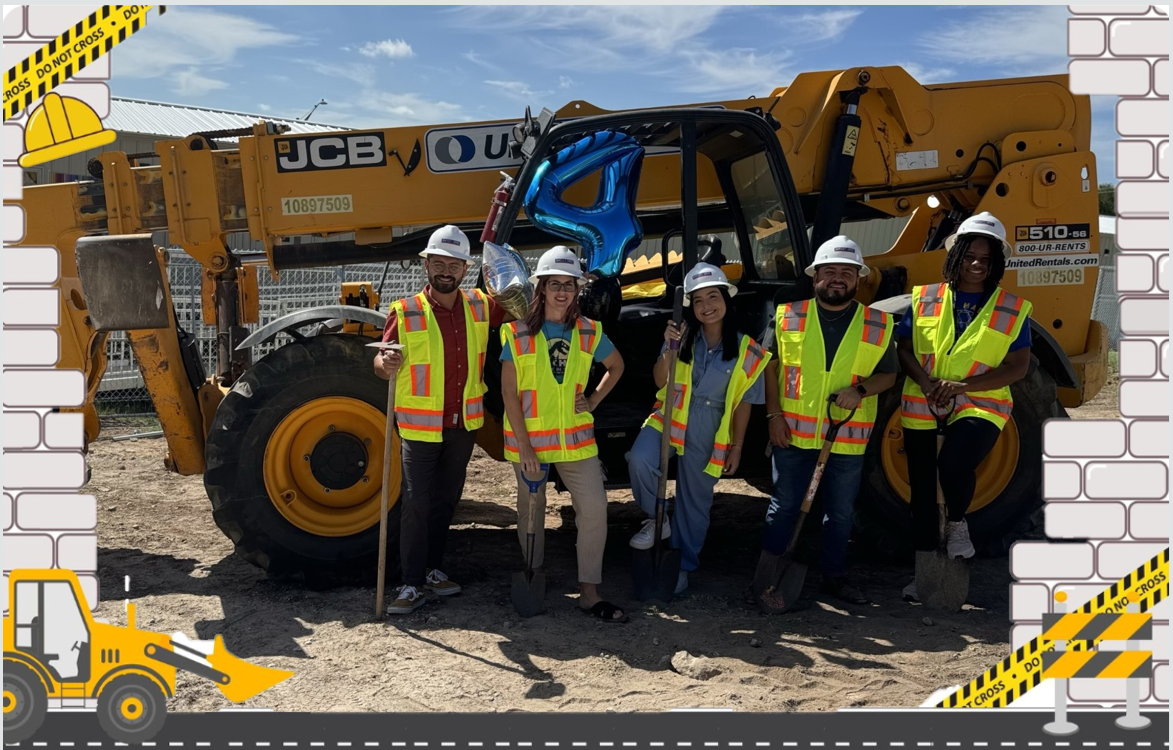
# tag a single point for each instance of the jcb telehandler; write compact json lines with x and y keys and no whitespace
{"x":290,"y":445}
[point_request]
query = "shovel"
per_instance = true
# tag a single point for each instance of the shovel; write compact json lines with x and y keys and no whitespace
{"x":779,"y":579}
{"x":941,"y":582}
{"x":380,"y":585}
{"x":655,"y":571}
{"x":529,"y":585}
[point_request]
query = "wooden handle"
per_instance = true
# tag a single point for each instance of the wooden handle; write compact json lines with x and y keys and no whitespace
{"x":388,"y":442}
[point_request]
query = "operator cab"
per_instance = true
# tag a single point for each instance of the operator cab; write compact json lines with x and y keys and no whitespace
{"x":733,"y":204}
{"x":50,"y":626}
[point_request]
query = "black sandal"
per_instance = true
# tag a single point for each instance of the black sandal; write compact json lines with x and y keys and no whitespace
{"x":605,"y":611}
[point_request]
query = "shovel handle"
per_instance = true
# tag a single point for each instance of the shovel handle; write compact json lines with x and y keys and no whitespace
{"x":531,"y":534}
{"x":388,"y":442}
{"x":666,"y":412}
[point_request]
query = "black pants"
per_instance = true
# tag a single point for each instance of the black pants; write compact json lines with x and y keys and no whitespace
{"x":967,"y":442}
{"x":433,"y":481}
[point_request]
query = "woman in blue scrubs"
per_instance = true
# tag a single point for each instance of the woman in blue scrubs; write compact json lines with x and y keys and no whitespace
{"x":719,"y":377}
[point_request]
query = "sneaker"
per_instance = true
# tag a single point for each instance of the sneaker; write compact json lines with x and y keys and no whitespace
{"x":842,"y":589}
{"x":438,"y":584}
{"x":408,"y":600}
{"x":910,"y":593}
{"x":682,"y":582}
{"x":957,"y":542}
{"x":645,"y":537}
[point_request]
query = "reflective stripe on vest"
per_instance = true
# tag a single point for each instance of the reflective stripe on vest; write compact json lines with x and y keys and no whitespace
{"x":419,"y":387}
{"x":557,"y":432}
{"x":805,"y":383}
{"x":752,"y":361}
{"x":981,"y":347}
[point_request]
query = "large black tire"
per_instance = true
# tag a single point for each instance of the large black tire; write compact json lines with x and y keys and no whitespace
{"x":25,"y":702}
{"x":294,"y":375}
{"x":132,"y":708}
{"x":882,"y":516}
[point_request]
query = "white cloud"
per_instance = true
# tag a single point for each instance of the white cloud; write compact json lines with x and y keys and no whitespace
{"x":1024,"y":40}
{"x":359,"y":73}
{"x":732,"y":72}
{"x":191,"y":83}
{"x":819,"y":27}
{"x":393,"y":48}
{"x":264,"y":107}
{"x":195,"y":38}
{"x":518,"y":91}
{"x":476,"y":58}
{"x":392,"y":110}
{"x":565,"y":82}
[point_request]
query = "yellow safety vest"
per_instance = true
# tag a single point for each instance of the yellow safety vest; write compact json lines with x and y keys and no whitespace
{"x":982,"y":347}
{"x":419,"y":387}
{"x":804,"y":384}
{"x":556,"y":432}
{"x":752,"y":361}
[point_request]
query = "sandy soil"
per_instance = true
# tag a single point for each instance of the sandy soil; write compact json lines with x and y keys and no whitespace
{"x":472,"y":653}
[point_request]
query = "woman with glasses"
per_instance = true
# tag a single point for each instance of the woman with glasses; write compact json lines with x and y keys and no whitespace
{"x":546,"y":362}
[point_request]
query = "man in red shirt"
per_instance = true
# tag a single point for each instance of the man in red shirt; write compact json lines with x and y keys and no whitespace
{"x":437,"y":409}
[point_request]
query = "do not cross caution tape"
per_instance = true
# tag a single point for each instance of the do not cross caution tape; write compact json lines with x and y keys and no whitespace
{"x":1010,"y":678}
{"x":61,"y":58}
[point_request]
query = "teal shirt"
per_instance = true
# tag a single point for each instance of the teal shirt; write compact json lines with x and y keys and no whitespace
{"x":558,"y":342}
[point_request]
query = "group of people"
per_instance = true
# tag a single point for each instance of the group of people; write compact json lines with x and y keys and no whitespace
{"x":962,"y":344}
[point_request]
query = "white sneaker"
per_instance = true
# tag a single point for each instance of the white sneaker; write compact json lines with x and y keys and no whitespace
{"x":910,"y":592}
{"x":957,"y":543}
{"x":682,"y":582}
{"x":645,"y":537}
{"x":409,"y":600}
{"x":438,"y":584}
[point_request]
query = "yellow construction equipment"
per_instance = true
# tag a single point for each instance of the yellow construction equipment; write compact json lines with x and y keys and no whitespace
{"x":57,"y":657}
{"x":290,"y":447}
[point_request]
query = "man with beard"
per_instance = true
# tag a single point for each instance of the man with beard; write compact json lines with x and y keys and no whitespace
{"x":439,"y":404}
{"x":833,"y":350}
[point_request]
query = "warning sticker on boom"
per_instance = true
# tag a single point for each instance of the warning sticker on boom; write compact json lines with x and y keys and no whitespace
{"x":1052,"y":238}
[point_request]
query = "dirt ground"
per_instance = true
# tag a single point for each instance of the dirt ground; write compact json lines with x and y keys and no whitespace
{"x":472,"y":652}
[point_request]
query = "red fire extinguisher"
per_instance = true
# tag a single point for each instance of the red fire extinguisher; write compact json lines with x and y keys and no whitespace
{"x":500,"y":198}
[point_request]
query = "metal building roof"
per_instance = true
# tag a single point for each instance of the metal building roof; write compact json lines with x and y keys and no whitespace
{"x":179,"y":120}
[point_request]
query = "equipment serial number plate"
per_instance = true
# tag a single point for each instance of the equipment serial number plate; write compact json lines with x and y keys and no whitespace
{"x":317,"y":204}
{"x":1049,"y":276}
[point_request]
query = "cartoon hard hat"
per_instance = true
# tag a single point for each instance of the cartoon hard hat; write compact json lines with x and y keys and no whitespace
{"x":60,"y":127}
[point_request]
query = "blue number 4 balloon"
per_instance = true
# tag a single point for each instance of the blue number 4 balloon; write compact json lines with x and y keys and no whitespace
{"x":608,"y":229}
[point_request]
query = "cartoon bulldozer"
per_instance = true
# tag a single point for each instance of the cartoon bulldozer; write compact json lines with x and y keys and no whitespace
{"x":58,"y":657}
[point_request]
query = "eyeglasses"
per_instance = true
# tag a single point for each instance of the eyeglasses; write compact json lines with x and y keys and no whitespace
{"x":452,"y":268}
{"x":558,"y":286}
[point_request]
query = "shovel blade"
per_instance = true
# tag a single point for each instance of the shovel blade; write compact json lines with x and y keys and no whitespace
{"x":942,"y":583}
{"x":654,"y":574}
{"x":529,"y":592}
{"x":782,"y":596}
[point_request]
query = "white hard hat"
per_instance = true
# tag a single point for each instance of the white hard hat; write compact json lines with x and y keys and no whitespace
{"x":448,"y":241}
{"x":985,"y":224}
{"x":838,"y":250}
{"x":558,"y":261}
{"x":704,"y":275}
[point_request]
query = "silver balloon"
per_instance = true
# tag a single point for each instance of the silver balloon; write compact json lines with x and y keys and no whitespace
{"x":507,"y":279}
{"x":607,"y":230}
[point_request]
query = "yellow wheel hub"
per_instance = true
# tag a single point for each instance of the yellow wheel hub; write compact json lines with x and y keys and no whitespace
{"x":323,"y":466}
{"x":993,"y":474}
{"x":9,"y":701}
{"x":131,"y":709}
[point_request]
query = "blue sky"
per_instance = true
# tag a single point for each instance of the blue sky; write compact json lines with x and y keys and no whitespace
{"x":380,"y":66}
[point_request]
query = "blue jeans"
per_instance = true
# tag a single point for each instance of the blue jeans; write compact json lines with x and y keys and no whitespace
{"x":793,"y":468}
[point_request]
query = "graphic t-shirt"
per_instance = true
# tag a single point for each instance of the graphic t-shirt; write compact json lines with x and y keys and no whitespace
{"x":558,"y":337}
{"x":966,"y":307}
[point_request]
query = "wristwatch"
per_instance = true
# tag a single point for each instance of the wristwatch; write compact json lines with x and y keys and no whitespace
{"x":861,"y":390}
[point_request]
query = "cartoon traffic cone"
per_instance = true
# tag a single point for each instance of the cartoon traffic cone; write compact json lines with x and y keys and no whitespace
{"x":60,"y":127}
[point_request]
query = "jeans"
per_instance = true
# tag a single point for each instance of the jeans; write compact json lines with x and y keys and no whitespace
{"x":967,"y":442}
{"x":433,"y":481}
{"x":793,"y":468}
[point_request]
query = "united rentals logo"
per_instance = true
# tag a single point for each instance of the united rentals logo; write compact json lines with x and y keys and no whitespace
{"x":565,"y":261}
{"x":469,"y":148}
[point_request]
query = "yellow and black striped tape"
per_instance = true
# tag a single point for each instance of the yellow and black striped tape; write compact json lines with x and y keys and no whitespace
{"x":1010,"y":678}
{"x":61,"y":58}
